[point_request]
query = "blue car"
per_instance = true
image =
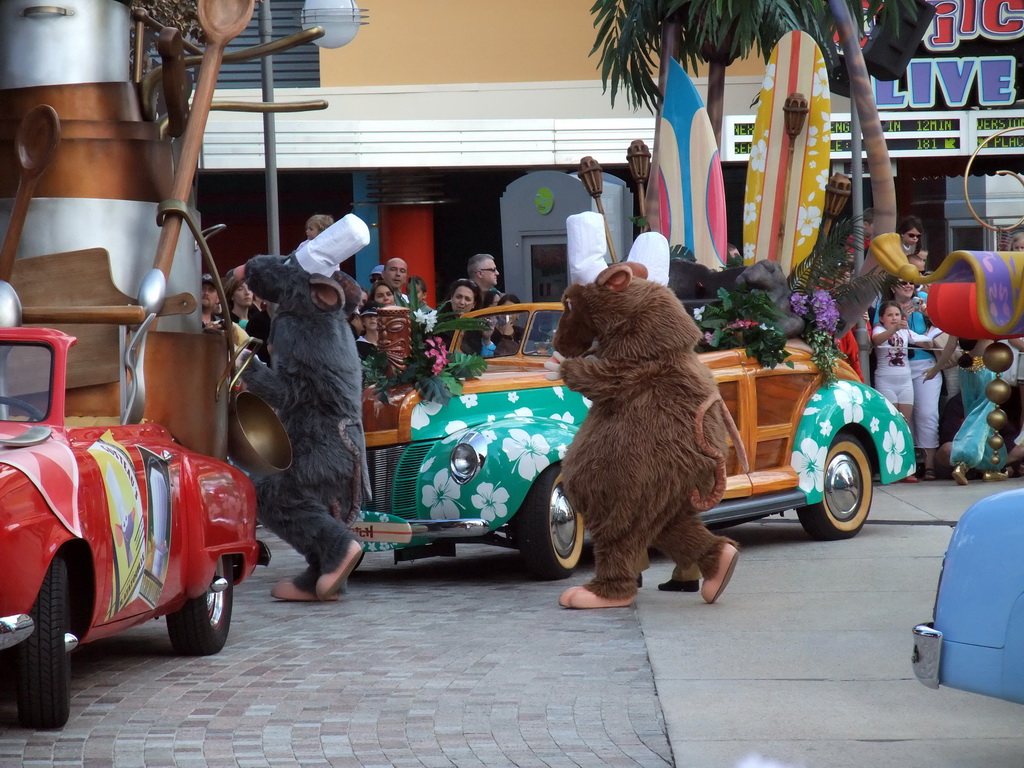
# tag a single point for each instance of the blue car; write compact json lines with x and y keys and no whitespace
{"x":976,"y":642}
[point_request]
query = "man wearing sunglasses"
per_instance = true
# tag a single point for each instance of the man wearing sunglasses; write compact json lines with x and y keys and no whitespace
{"x":482,"y":270}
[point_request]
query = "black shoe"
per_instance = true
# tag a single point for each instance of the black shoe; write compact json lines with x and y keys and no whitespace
{"x":639,"y":580}
{"x":263,"y":558}
{"x":672,"y":585}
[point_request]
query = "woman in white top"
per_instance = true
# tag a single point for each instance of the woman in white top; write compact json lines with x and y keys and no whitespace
{"x":892,"y":338}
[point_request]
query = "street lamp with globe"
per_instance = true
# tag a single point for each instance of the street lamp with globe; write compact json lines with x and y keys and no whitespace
{"x":340,"y":20}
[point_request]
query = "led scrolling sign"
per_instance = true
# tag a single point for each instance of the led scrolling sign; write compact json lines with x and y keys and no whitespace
{"x":907,"y":134}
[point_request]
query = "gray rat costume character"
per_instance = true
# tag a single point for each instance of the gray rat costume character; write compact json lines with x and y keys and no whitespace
{"x":315,"y":386}
{"x":650,"y":456}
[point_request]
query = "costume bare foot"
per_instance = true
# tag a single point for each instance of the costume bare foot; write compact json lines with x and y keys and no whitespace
{"x":315,"y":386}
{"x":650,"y":454}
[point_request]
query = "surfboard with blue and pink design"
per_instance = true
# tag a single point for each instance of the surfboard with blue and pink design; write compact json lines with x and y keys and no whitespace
{"x":688,"y":177}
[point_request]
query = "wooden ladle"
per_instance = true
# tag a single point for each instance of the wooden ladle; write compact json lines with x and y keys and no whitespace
{"x":223,"y":21}
{"x":36,"y":142}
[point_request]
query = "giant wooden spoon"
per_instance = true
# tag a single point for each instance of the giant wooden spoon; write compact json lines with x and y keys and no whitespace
{"x":222,"y":20}
{"x":36,"y":141}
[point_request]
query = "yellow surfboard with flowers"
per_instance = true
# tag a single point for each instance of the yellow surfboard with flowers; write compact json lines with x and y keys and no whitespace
{"x":786,"y":176}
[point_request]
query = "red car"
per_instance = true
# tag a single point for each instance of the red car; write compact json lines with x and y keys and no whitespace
{"x":103,"y":527}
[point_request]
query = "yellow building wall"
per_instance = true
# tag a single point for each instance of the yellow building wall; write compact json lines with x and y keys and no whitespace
{"x":419,"y":42}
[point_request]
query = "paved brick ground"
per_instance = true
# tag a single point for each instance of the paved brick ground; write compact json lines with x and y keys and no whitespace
{"x":462,"y":662}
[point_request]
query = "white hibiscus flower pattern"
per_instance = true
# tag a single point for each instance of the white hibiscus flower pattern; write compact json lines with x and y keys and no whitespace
{"x":850,"y":400}
{"x":422,"y":412}
{"x":490,"y":501}
{"x":812,"y":136}
{"x":830,"y":410}
{"x":820,"y":86}
{"x":893,"y":443}
{"x":527,"y":452}
{"x":809,"y":463}
{"x":758,"y":155}
{"x":808,"y":219}
{"x":442,"y":497}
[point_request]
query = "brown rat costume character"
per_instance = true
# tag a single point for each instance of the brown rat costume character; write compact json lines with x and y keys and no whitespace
{"x":650,"y":454}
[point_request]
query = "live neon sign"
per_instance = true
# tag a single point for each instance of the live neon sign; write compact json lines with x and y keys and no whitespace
{"x":985,"y":81}
{"x":959,"y":20}
{"x":990,"y":79}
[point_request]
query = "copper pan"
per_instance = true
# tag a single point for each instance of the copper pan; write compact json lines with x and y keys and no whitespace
{"x":257,"y":440}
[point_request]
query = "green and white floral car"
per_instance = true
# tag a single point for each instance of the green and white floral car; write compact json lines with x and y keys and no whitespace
{"x":485,"y":467}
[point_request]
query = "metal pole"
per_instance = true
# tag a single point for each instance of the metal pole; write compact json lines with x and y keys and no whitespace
{"x":862,"y":334}
{"x":269,"y":132}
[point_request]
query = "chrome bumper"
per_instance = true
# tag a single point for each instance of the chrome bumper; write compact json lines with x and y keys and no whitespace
{"x":14,"y":629}
{"x":448,"y":529}
{"x":927,"y":654}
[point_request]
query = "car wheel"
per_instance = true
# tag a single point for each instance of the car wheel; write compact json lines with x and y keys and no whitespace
{"x":844,"y":507}
{"x":44,"y":659}
{"x":200,"y":627}
{"x":550,"y":533}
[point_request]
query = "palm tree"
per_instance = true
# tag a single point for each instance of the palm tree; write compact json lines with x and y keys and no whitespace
{"x":631,"y":33}
{"x":883,"y":189}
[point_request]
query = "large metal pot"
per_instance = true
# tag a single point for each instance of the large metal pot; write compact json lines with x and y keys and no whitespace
{"x":85,"y":41}
{"x":126,"y":228}
{"x":257,"y":440}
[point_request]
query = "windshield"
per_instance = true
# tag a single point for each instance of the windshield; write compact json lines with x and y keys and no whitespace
{"x":506,"y":332}
{"x":542,"y":332}
{"x":25,"y":379}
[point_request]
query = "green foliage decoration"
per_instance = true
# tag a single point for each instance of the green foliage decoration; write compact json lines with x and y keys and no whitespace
{"x":433,"y":371}
{"x":821,"y":284}
{"x":744,"y":317}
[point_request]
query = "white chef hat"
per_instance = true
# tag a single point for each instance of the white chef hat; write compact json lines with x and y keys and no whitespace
{"x":586,"y":247}
{"x":338,"y":242}
{"x":651,"y":250}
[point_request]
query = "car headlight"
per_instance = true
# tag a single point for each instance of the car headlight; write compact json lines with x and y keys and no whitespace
{"x":467,"y":457}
